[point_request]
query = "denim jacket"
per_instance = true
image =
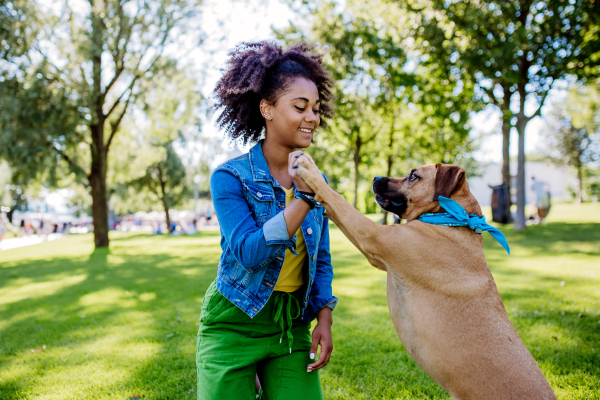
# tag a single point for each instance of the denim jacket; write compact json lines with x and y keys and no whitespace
{"x":249,"y":202}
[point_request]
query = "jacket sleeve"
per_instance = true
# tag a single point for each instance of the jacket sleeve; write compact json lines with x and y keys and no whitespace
{"x":253,"y":247}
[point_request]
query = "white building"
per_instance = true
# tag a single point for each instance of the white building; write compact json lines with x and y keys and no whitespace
{"x":559,"y":180}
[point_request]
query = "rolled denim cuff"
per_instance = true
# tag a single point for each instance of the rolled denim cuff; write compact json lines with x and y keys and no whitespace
{"x":275,"y":230}
{"x":316,"y":304}
{"x":332,"y":303}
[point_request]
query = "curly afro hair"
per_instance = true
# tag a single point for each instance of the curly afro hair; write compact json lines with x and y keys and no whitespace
{"x":264,"y":70}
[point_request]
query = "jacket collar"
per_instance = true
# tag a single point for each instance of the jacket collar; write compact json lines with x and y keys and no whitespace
{"x":259,"y":166}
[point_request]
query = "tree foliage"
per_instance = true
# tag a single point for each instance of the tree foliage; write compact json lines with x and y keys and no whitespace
{"x":78,"y":76}
{"x":511,"y":51}
{"x":392,"y":108}
{"x":572,"y":131}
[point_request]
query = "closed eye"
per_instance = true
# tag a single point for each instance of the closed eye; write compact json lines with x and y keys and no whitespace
{"x":300,"y":108}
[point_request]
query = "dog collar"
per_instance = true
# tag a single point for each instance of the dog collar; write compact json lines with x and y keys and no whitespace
{"x":457,"y":216}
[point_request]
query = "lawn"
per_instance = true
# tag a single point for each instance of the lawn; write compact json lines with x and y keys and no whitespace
{"x":123,"y":321}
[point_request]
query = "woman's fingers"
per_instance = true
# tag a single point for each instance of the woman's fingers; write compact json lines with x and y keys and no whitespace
{"x":321,"y":362}
{"x":326,"y":343}
{"x":293,"y":160}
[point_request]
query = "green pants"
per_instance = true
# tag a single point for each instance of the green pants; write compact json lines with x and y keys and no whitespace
{"x":232,"y":348}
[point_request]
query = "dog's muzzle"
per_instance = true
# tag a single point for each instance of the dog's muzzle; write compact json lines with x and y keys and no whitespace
{"x":394,"y":202}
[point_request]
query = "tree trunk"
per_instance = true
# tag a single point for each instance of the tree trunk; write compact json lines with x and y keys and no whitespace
{"x":166,"y":207}
{"x":389,"y":174}
{"x":520,"y":218}
{"x":97,"y":180}
{"x":579,"y":185}
{"x":506,"y":127}
{"x":390,"y":162}
{"x":358,"y":145}
{"x":99,"y":151}
{"x":163,"y":197}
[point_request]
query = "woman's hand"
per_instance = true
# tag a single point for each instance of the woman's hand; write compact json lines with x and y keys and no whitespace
{"x":298,"y":181}
{"x":321,"y":336}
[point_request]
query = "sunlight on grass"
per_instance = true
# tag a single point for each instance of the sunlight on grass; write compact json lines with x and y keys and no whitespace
{"x":123,"y":321}
{"x":22,"y":289}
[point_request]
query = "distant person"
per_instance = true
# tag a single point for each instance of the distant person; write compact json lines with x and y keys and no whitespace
{"x":2,"y":228}
{"x":542,"y":201}
{"x":191,"y":228}
{"x":22,"y":230}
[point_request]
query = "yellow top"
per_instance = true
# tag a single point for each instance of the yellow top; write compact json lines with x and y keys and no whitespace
{"x":291,"y":277}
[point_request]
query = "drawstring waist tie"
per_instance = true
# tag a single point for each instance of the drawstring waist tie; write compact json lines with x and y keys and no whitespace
{"x":282,"y":314}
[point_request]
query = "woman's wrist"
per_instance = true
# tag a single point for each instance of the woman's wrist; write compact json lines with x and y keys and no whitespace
{"x":305,"y":189}
{"x":325,"y":316}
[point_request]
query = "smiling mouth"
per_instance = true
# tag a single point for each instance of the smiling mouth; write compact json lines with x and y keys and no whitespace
{"x":306,"y":130}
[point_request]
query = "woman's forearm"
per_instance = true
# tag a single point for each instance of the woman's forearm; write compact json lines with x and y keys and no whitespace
{"x":325,"y":316}
{"x":294,"y":214}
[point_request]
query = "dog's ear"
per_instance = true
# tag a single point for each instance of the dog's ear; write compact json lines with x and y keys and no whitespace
{"x":448,"y":178}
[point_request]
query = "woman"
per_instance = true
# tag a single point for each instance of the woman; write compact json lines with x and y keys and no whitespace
{"x":275,"y":273}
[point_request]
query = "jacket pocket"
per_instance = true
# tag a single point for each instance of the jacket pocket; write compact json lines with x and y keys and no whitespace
{"x":260,"y":200}
{"x":317,"y":213}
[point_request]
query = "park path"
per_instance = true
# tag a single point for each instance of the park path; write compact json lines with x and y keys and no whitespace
{"x":30,"y":240}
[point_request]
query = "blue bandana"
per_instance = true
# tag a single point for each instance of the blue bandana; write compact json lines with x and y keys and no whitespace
{"x":457,"y":216}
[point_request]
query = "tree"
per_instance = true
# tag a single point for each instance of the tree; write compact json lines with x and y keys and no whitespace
{"x":81,"y":77}
{"x":146,"y":170}
{"x":512,"y":51}
{"x":18,"y":28}
{"x":166,"y":180}
{"x":572,"y":131}
{"x":388,"y":104}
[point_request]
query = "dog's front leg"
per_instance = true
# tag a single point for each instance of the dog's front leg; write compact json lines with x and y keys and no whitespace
{"x":362,"y":232}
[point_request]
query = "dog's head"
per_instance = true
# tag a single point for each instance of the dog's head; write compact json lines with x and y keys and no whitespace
{"x":418,"y":193}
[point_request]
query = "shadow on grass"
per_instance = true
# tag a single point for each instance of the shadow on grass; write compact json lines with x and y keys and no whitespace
{"x":113,"y":284}
{"x":141,"y":287}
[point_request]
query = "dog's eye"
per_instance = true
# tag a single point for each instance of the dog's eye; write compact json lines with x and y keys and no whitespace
{"x":412,"y":177}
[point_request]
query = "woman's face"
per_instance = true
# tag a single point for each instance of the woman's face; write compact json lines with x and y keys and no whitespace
{"x":292,"y":120}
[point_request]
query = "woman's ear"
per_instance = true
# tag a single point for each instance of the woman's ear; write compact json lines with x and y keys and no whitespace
{"x":265,"y":109}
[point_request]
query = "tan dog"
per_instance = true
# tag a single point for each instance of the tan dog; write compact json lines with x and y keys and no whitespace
{"x":441,"y":294}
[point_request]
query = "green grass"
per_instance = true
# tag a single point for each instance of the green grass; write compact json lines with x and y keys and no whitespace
{"x":141,"y":301}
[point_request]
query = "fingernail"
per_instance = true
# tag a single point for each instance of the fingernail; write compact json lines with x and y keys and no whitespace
{"x":297,"y":156}
{"x":309,"y":370}
{"x":295,"y":167}
{"x":312,"y":356}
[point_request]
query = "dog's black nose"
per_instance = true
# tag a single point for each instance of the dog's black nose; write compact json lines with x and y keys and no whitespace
{"x":379,"y":183}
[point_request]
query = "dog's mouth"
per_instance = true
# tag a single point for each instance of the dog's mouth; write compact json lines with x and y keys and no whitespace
{"x":397,"y":205}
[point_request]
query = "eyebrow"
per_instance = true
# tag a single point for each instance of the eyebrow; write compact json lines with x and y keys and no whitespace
{"x":305,"y":99}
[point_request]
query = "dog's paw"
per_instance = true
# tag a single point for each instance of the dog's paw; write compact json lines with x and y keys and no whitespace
{"x":308,"y":170}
